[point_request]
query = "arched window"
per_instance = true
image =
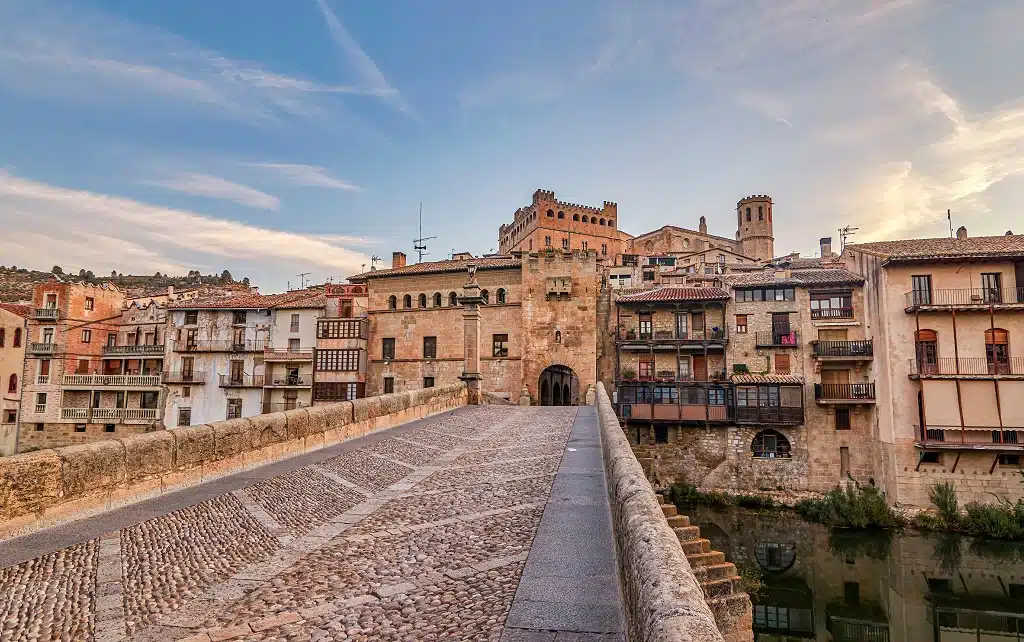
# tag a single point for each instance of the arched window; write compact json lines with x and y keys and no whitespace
{"x":12,"y":385}
{"x":486,"y":296}
{"x":392,"y":302}
{"x":576,"y":217}
{"x":760,"y":212}
{"x":438,"y":300}
{"x":3,"y":335}
{"x":561,"y":214}
{"x":407,"y":301}
{"x":453,"y":299}
{"x":602,"y":221}
{"x":748,"y":215}
{"x":501,"y":295}
{"x":17,"y":337}
{"x":551,"y":213}
{"x":686,"y":243}
{"x":997,"y":351}
{"x":423,"y":300}
{"x":585,"y":220}
{"x":611,"y":223}
{"x":926,"y":346}
{"x":775,"y":557}
{"x":770,"y":444}
{"x":558,"y":336}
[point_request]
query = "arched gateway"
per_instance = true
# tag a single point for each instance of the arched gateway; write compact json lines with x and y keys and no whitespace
{"x":559,"y":386}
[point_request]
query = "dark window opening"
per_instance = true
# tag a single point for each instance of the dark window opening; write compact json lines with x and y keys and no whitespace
{"x":661,"y":434}
{"x":842,"y":419}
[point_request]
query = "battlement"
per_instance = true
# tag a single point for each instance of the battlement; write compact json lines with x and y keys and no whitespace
{"x":548,"y":195}
{"x":754,"y":198}
{"x":543,"y":194}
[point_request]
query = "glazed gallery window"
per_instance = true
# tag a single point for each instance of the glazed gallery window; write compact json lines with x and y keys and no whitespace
{"x":765,"y":294}
{"x":337,"y":360}
{"x":770,"y":444}
{"x":500,"y":345}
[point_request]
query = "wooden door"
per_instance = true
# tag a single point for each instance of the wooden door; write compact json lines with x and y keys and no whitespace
{"x":835,"y":376}
{"x":700,"y":368}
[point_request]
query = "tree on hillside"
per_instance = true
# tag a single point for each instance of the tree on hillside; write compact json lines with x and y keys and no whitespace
{"x":113,"y":274}
{"x":81,"y":273}
{"x":245,"y":281}
{"x":89,"y":275}
{"x":225,"y":276}
{"x":56,"y":270}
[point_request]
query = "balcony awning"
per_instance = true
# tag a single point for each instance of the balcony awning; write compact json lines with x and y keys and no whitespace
{"x":767,"y":378}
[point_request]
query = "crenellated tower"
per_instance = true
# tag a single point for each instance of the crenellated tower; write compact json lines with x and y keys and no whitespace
{"x":754,"y":227}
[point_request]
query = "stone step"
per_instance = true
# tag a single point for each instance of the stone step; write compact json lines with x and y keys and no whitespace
{"x":734,"y":616}
{"x":678,"y":520}
{"x":703,"y":559}
{"x":712,"y":572}
{"x":686,"y":533}
{"x":695,"y":546}
{"x":723,"y":587}
{"x":669,"y":510}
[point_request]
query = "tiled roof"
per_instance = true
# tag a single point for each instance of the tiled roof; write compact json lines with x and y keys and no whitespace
{"x":20,"y":310}
{"x":673,"y":293}
{"x":943,"y":248}
{"x":437,"y":267}
{"x":766,"y":378}
{"x":805,"y":278}
{"x":252,"y":301}
{"x":310,"y":303}
{"x":807,"y":263}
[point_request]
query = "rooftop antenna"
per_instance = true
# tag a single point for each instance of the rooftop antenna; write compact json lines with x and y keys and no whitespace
{"x":949,"y":217}
{"x":420,"y":244}
{"x":302,"y":279}
{"x":844,"y":233}
{"x":373,"y":262}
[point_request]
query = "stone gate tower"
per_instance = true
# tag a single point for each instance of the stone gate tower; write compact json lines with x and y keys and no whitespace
{"x":754,"y":227}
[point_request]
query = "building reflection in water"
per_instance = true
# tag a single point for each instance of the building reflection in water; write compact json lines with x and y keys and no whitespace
{"x":844,"y":586}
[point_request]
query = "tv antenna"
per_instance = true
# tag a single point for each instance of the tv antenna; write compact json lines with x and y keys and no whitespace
{"x":302,"y":279}
{"x":844,"y":233}
{"x":420,"y":244}
{"x":373,"y":262}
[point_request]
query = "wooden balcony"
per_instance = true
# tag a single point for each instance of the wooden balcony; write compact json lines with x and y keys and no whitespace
{"x":773,"y":339}
{"x":111,"y":381}
{"x":46,"y":314}
{"x":967,"y":368}
{"x":967,"y":299}
{"x":245,"y":381}
{"x":88,"y":415}
{"x":668,"y":340}
{"x":832,"y":313}
{"x":843,"y":350}
{"x":844,"y":393}
{"x":288,"y":354}
{"x":676,"y":402}
{"x":145,"y":350}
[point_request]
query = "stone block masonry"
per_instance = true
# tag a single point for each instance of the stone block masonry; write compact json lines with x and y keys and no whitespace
{"x":42,"y":488}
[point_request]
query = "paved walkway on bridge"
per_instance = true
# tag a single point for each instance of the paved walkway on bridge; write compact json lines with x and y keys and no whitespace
{"x":417,"y":533}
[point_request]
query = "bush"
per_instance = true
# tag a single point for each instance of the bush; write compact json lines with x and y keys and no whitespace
{"x":851,"y":508}
{"x":943,"y":497}
{"x":688,"y":495}
{"x":1001,"y":521}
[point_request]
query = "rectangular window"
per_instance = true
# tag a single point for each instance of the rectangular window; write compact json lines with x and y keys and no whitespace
{"x":661,"y":434}
{"x":685,"y":374}
{"x":295,"y":323}
{"x":111,"y":338}
{"x":79,"y":427}
{"x":629,"y":260}
{"x":716,"y":396}
{"x":238,"y":317}
{"x":931,"y":458}
{"x":83,"y":366}
{"x":337,"y":360}
{"x":389,"y":385}
{"x":782,"y":364}
{"x":842,"y":418}
{"x":86,"y":336}
{"x":921,"y":289}
{"x":187,"y":365}
{"x":584,"y":246}
{"x":294,"y":345}
{"x":741,"y":324}
{"x":109,"y":428}
{"x":646,"y":367}
{"x":90,"y":303}
{"x":191,"y":338}
{"x":992,"y":287}
{"x":428,"y":382}
{"x":648,"y":276}
{"x":339,"y":329}
{"x":237,"y":372}
{"x":387,"y":348}
{"x":604,"y":249}
{"x":186,"y":392}
{"x":565,"y":244}
{"x":234,"y":409}
{"x":645,"y":326}
{"x":1009,"y":460}
{"x":429,"y":347}
{"x":832,"y":306}
{"x":191,"y":317}
{"x":184,"y":416}
{"x":10,"y":416}
{"x":500,"y":345}
{"x":547,"y":241}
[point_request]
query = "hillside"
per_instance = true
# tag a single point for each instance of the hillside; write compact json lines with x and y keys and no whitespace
{"x":16,"y":283}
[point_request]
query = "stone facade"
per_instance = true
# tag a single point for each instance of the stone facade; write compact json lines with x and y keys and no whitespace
{"x":12,"y":372}
{"x":550,"y":224}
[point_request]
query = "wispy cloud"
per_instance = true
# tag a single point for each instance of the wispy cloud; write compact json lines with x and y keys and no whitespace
{"x":369,"y":74}
{"x":47,"y":223}
{"x":220,"y":188}
{"x":80,"y":55}
{"x":307,"y":176}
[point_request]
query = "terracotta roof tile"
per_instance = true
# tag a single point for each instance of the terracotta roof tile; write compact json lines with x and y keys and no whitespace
{"x":766,"y":378}
{"x":805,"y":278}
{"x":940,"y":248}
{"x":21,"y":310}
{"x":251,"y":301}
{"x":437,"y":267}
{"x":677,"y":293}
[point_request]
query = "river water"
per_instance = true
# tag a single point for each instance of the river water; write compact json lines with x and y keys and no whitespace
{"x":825,"y":585}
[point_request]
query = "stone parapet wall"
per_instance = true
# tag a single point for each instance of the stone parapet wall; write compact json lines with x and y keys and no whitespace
{"x":42,"y":488}
{"x":662,"y":597}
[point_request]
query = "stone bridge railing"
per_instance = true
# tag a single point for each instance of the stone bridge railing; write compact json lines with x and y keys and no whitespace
{"x":41,"y":488}
{"x":662,"y":596}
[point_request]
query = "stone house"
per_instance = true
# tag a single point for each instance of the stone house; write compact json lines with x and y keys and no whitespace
{"x":341,"y":356}
{"x":13,"y":320}
{"x":288,"y":356}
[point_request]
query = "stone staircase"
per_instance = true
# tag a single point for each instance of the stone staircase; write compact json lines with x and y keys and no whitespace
{"x":723,"y":589}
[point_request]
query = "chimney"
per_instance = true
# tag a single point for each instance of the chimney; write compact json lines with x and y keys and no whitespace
{"x":397,"y":260}
{"x":961,"y":232}
{"x":826,"y":246}
{"x":703,"y":227}
{"x":170,"y":292}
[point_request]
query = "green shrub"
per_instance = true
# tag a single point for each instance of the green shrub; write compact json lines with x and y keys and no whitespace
{"x":851,"y":508}
{"x":1001,"y":521}
{"x":756,"y":502}
{"x":688,"y":495}
{"x":943,"y":497}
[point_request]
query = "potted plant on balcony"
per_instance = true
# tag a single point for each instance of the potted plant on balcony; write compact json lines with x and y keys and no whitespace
{"x":631,"y":335}
{"x":628,"y":374}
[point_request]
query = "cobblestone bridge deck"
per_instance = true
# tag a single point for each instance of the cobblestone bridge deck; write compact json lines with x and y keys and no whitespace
{"x":486,"y":523}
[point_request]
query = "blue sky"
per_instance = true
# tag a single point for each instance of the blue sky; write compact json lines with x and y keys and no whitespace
{"x":285,"y":136}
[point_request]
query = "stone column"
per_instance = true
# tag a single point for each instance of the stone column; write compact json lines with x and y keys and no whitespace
{"x":470,"y":302}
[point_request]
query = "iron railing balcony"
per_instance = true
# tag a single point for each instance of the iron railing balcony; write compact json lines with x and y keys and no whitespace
{"x":769,"y":415}
{"x":206,"y":345}
{"x":244,"y":381}
{"x":46,"y":314}
{"x":288,"y":354}
{"x":118,"y":381}
{"x":965,"y":298}
{"x":40,"y":408}
{"x":843,"y":349}
{"x":288,"y":381}
{"x":144,"y":350}
{"x":832,"y":313}
{"x":845,"y":392}
{"x":710,"y":335}
{"x":187,"y":378}
{"x":42,"y":348}
{"x":966,"y":366}
{"x":775,"y":339}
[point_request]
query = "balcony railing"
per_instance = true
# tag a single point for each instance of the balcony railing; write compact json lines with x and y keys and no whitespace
{"x":283,"y":407}
{"x":667,"y":376}
{"x":144,"y":350}
{"x":694,"y":336}
{"x":120,"y":381}
{"x":854,"y":349}
{"x":46,"y":314}
{"x":832,"y":313}
{"x":40,"y":408}
{"x":675,"y":402}
{"x":845,"y":391}
{"x":289,"y":381}
{"x":966,"y":297}
{"x":42,"y":380}
{"x":971,"y":366}
{"x":288,"y":354}
{"x":245,"y":381}
{"x":769,"y":415}
{"x":221,"y":346}
{"x":185,"y":377}
{"x":42,"y":348}
{"x":110,"y":414}
{"x":74,"y":413}
{"x":790,"y":339}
